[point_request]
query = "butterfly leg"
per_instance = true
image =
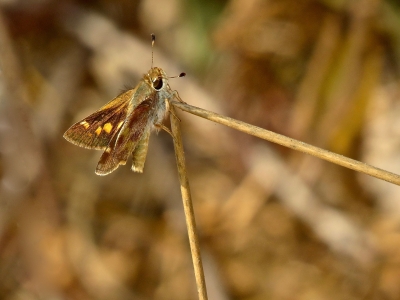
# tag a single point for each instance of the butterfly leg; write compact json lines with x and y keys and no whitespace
{"x":168,"y":105}
{"x":176,"y":95}
{"x":175,"y":116}
{"x":161,"y":126}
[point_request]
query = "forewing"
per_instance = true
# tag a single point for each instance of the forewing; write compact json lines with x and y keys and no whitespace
{"x":123,"y":143}
{"x":97,"y":130}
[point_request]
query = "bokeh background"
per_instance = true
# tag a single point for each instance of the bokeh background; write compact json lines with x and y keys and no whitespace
{"x":273,"y":223}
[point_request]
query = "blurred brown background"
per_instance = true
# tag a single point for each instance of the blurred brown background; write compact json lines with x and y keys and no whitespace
{"x":273,"y":223}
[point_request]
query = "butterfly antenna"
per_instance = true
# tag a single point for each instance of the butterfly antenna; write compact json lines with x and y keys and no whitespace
{"x":180,"y":75}
{"x":153,"y":39}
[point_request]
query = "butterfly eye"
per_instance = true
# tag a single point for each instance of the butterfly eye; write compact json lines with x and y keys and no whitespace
{"x":158,"y":83}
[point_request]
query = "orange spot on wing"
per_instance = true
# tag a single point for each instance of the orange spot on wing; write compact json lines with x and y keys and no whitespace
{"x":107,"y":127}
{"x":98,"y":130}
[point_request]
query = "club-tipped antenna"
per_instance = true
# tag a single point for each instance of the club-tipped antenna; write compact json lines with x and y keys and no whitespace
{"x":180,"y":75}
{"x":153,"y":39}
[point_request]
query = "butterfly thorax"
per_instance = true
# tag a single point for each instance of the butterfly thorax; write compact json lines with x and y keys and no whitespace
{"x":157,"y":81}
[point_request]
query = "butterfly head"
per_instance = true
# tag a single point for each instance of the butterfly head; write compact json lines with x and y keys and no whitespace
{"x":157,"y":78}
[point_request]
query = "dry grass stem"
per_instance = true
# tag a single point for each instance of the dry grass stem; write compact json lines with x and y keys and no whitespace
{"x":188,"y":207}
{"x":291,"y":143}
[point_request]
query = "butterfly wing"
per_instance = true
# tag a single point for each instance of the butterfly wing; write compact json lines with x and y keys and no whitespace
{"x":140,"y":152}
{"x":97,"y":130}
{"x":136,"y":127}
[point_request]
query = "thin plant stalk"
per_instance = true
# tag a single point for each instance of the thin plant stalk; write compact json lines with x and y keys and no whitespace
{"x":291,"y":143}
{"x":188,"y":206}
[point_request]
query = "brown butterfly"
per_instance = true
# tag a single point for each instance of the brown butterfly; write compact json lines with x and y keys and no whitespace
{"x":122,"y":127}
